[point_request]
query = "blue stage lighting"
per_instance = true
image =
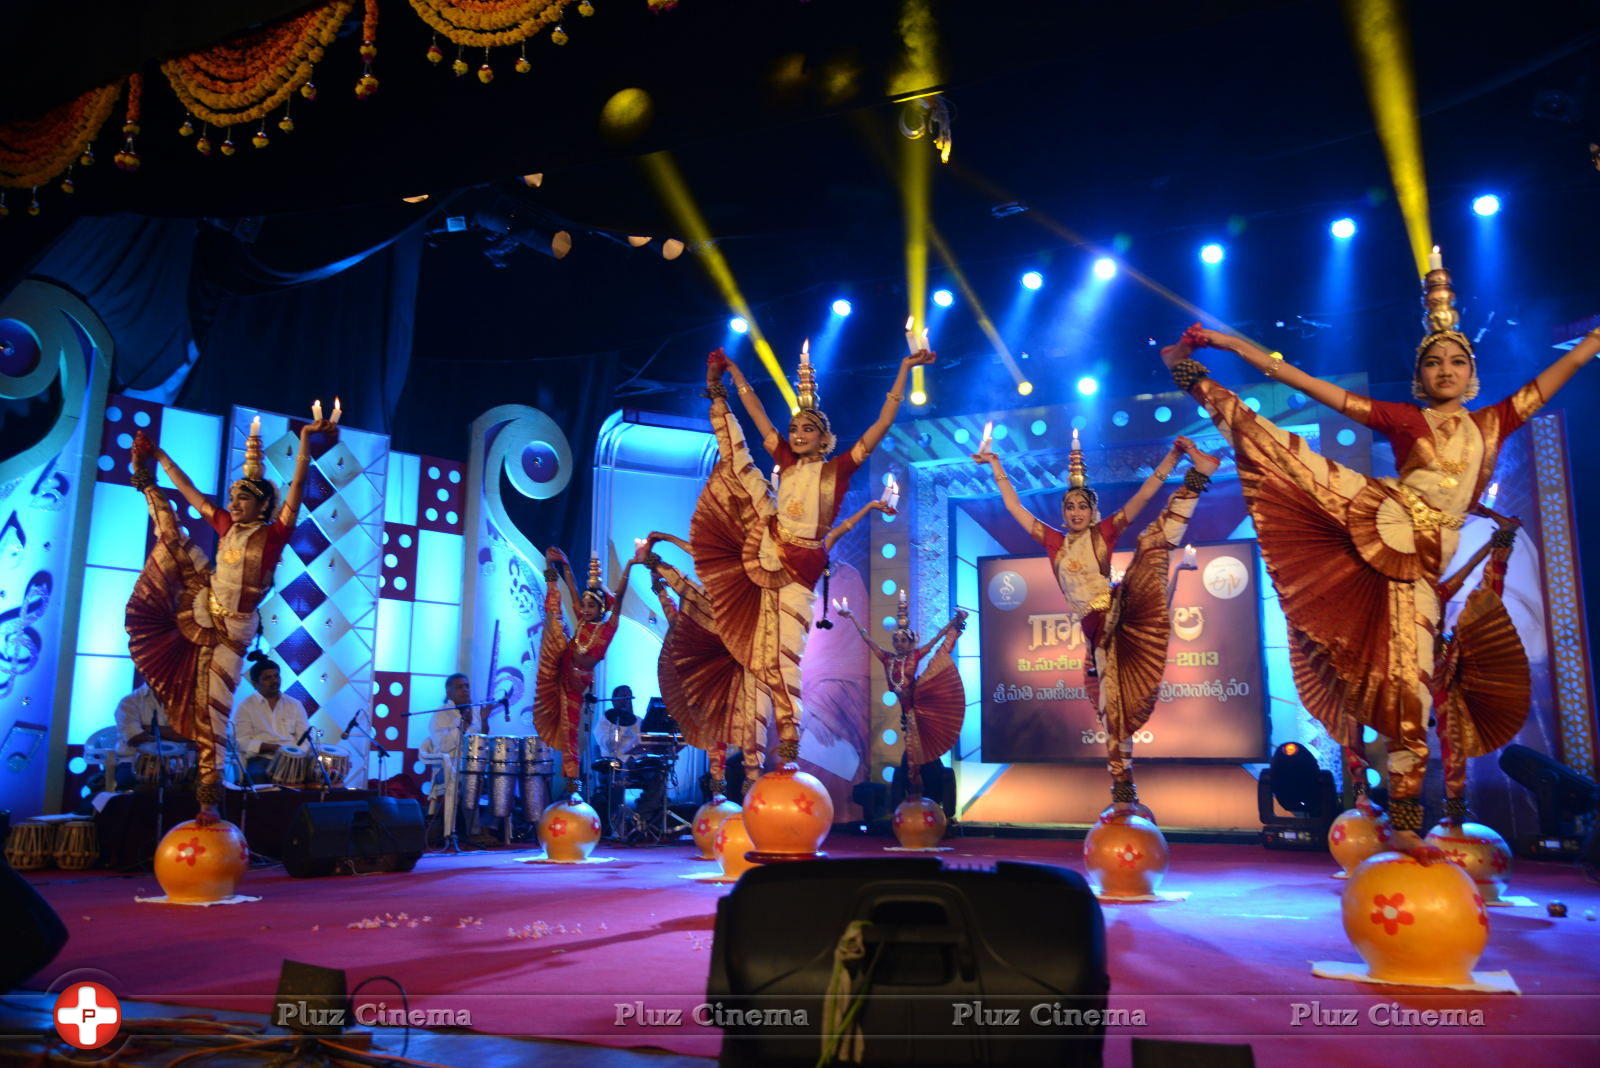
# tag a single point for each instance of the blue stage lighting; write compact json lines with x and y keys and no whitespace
{"x":841,"y":308}
{"x":1088,"y":385}
{"x":1343,"y":229}
{"x":738,"y":325}
{"x":1212,"y":253}
{"x":943,"y":297}
{"x":1105,"y":268}
{"x":1032,"y":280}
{"x":1486,"y":205}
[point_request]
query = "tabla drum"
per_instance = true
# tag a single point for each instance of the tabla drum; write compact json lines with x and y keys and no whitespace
{"x":337,"y":765}
{"x":31,"y":845}
{"x":77,"y":845}
{"x":474,"y":765}
{"x":505,"y":768}
{"x":173,"y":759}
{"x":290,"y":766}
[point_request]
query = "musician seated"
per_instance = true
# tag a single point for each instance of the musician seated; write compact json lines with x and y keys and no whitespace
{"x":140,"y":720}
{"x":446,"y":728}
{"x":267,"y":720}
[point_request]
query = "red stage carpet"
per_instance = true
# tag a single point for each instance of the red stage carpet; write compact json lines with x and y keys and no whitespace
{"x":570,"y":952}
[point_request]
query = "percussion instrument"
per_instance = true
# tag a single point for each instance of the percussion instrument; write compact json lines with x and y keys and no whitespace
{"x":538,"y":765}
{"x":505,"y":768}
{"x":177,"y":758}
{"x":77,"y":845}
{"x":338,"y":767}
{"x":660,"y":743}
{"x":31,"y":845}
{"x":475,"y":750}
{"x":290,"y":766}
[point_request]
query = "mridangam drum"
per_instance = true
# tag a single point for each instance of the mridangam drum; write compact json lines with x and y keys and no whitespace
{"x":474,"y":765}
{"x":505,"y":768}
{"x":175,"y":758}
{"x":538,"y":764}
{"x":77,"y":845}
{"x":290,"y":766}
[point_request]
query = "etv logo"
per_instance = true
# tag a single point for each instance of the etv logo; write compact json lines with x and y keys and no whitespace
{"x":87,"y":1015}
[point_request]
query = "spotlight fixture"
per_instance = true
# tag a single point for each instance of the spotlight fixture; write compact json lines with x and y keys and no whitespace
{"x":1025,"y":387}
{"x":739,"y":325}
{"x":943,"y":297}
{"x":671,"y":248}
{"x":1105,"y":268}
{"x":637,"y":241}
{"x":841,"y":308}
{"x":1032,"y":280}
{"x":1343,"y":229}
{"x":1212,"y":253}
{"x":533,"y":181}
{"x":1295,"y":784}
{"x":1088,"y":385}
{"x":1486,"y":205}
{"x":918,"y":397}
{"x":1563,"y":798}
{"x":418,"y":199}
{"x":560,"y":244}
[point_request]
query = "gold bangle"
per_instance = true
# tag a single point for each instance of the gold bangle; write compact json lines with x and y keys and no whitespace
{"x":745,"y":388}
{"x":1275,"y":361}
{"x":896,"y":397}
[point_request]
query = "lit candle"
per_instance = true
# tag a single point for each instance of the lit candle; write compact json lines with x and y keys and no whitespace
{"x":924,"y":337}
{"x":1435,"y":261}
{"x":891,"y":494}
{"x":255,"y":427}
{"x":988,"y":437}
{"x":776,"y":471}
{"x":911,"y":334}
{"x":844,"y":604}
{"x":639,"y":543}
{"x":316,"y":410}
{"x":1494,"y":491}
{"x":1190,"y":556}
{"x":337,"y":411}
{"x":902,"y":599}
{"x":805,"y":351}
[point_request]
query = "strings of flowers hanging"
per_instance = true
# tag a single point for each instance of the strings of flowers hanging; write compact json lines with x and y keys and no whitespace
{"x":248,"y":76}
{"x":34,"y":152}
{"x":490,"y":24}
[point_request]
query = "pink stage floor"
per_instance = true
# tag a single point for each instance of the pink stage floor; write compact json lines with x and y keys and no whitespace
{"x":555,"y":951}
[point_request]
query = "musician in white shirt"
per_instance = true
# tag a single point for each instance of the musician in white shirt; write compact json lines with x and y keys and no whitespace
{"x":267,"y":720}
{"x":449,"y":724}
{"x":136,"y":714}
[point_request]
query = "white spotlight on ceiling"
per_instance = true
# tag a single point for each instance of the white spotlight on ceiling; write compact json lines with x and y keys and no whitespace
{"x":671,"y":248}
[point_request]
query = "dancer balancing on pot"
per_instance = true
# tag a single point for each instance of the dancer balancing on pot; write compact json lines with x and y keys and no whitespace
{"x":760,"y":554}
{"x":190,"y":621}
{"x":1126,"y":628}
{"x":933,"y":704}
{"x":567,"y":659}
{"x":1357,"y":560}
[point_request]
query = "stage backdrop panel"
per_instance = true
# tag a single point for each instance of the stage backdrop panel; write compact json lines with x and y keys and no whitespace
{"x":1034,"y":703}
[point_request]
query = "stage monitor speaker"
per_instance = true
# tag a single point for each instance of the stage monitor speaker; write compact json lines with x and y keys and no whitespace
{"x":34,"y":931}
{"x":311,"y":999}
{"x":379,"y":834}
{"x":957,"y":966}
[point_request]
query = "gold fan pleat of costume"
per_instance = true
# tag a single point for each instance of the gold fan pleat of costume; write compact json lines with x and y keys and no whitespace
{"x":1484,"y":676}
{"x":1135,"y":643}
{"x":941,"y":706}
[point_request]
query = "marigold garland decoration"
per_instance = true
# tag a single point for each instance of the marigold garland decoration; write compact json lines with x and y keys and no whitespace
{"x":245,"y":77}
{"x":127,"y":157}
{"x":34,"y":151}
{"x":368,"y":82}
{"x":489,"y":23}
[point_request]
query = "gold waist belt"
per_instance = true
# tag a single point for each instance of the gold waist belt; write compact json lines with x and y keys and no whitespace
{"x":1101,"y":603}
{"x":795,"y":539}
{"x":219,"y":612}
{"x":1425,"y":516}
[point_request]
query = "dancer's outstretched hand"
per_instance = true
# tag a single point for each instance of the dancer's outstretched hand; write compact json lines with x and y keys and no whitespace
{"x":921,"y":358}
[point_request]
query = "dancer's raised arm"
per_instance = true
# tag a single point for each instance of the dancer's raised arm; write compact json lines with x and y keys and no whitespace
{"x":1019,"y":511}
{"x":891,"y":403}
{"x":958,"y":623}
{"x":302,"y":465}
{"x":752,"y":403}
{"x":849,"y":524}
{"x":1568,"y":364}
{"x":851,"y":616}
{"x":1273,"y":365}
{"x":1152,"y":485}
{"x":180,"y":481}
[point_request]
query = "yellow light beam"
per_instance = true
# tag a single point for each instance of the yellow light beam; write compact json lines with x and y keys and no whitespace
{"x":916,"y":179}
{"x":674,"y":192}
{"x":1383,"y":47}
{"x":985,"y":323}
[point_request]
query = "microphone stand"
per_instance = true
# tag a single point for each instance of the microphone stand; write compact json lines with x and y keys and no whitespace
{"x":452,"y":778}
{"x":310,"y":736}
{"x":161,"y":784}
{"x":383,"y":754}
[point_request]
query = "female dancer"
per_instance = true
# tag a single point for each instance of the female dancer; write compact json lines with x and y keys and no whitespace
{"x":1126,"y":628}
{"x":567,"y":661}
{"x":189,"y":622}
{"x":932,"y":705}
{"x":1358,"y":560}
{"x":759,"y":557}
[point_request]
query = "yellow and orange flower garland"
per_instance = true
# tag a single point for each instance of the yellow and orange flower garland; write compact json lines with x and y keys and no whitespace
{"x":490,"y":24}
{"x":34,"y":152}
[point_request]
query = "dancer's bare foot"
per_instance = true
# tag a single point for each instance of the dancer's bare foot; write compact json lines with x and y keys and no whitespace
{"x":1412,"y":845}
{"x":208,"y":816}
{"x":1204,"y":462}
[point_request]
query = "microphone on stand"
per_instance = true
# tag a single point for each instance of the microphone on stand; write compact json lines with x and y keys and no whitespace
{"x":348,"y":727}
{"x":306,"y":734}
{"x":505,"y":703}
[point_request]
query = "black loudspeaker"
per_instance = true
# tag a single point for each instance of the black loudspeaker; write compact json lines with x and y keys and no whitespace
{"x":34,"y":931}
{"x":958,"y":966}
{"x":379,"y":834}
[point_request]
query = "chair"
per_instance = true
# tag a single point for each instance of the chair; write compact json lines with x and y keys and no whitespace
{"x":101,"y":749}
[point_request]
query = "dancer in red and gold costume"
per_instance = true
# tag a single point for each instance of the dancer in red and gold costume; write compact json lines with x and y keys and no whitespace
{"x":759,"y":556}
{"x":933,"y":704}
{"x":1125,"y":627}
{"x":1357,"y":560}
{"x":189,"y":622}
{"x":567,"y":661}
